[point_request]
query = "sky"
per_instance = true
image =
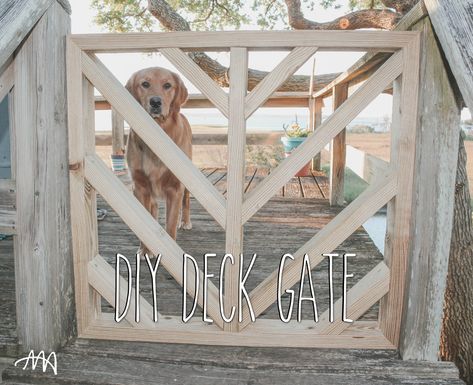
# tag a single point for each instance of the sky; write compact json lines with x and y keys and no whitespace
{"x":123,"y":65}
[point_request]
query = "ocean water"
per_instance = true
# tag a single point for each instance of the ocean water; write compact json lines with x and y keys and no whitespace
{"x":264,"y":119}
{"x":376,"y":229}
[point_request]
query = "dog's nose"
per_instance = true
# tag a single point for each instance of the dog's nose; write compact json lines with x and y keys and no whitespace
{"x":155,"y":102}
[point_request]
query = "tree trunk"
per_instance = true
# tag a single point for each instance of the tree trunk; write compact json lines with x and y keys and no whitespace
{"x":456,"y":343}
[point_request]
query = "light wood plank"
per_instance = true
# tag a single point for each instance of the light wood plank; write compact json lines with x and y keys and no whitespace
{"x":277,"y":99}
{"x":290,"y":64}
{"x":235,"y":177}
{"x":83,"y":203}
{"x":102,"y":279}
{"x":315,"y":115}
{"x":265,"y":333}
{"x":338,"y":152}
{"x":368,"y":167}
{"x":326,"y":240}
{"x":42,"y":245}
{"x":147,"y":229}
{"x":316,"y":142}
{"x":16,"y":21}
{"x":118,"y":133}
{"x":154,"y":136}
{"x":88,"y":125}
{"x":7,"y":80}
{"x":360,"y":298}
{"x":454,"y":29}
{"x":434,"y":195}
{"x":261,"y":40}
{"x":198,"y":77}
{"x":392,"y":306}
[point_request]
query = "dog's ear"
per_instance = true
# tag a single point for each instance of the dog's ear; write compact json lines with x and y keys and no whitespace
{"x":130,"y":85}
{"x":181,"y":95}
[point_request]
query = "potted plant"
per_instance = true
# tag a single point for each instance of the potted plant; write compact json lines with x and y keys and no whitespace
{"x":294,"y":136}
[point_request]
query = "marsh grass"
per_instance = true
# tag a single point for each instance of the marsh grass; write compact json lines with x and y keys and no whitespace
{"x":354,"y":185}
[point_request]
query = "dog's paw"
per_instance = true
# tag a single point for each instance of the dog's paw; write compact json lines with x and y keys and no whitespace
{"x":142,"y":252}
{"x":186,"y":226}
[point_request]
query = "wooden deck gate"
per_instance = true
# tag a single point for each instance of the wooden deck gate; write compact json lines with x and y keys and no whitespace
{"x":88,"y":174}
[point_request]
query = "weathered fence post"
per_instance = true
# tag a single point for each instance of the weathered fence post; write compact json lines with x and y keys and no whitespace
{"x":118,"y":133}
{"x":43,"y":260}
{"x":434,"y":191}
{"x":338,"y":152}
{"x":316,"y":105}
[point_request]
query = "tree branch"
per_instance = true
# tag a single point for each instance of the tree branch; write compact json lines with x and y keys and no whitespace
{"x":401,"y":6}
{"x":172,"y":21}
{"x":366,"y":18}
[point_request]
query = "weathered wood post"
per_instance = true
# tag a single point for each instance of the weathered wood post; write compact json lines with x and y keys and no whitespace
{"x":434,"y":189}
{"x":315,"y":114}
{"x":338,"y":152}
{"x":118,"y":133}
{"x":43,"y":259}
{"x":315,"y":111}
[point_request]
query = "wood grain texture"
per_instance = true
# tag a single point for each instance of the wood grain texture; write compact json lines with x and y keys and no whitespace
{"x":154,"y":136}
{"x":277,"y":99}
{"x":82,"y":197}
{"x":317,"y":141}
{"x":328,"y":238}
{"x":290,"y":64}
{"x":453,"y":26}
{"x":112,"y":362}
{"x":43,"y":262}
{"x":265,"y":333}
{"x":7,"y":80}
{"x":434,"y":193}
{"x":102,"y":278}
{"x":360,"y":298}
{"x":17,"y":17}
{"x":235,"y":177}
{"x":198,"y":77}
{"x":147,"y":229}
{"x":262,"y":40}
{"x":118,"y":133}
{"x":338,"y":152}
{"x":315,"y":118}
{"x":400,"y":242}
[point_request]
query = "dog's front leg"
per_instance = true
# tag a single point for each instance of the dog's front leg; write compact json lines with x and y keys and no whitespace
{"x":185,"y":221}
{"x":173,"y":209}
{"x":142,"y":193}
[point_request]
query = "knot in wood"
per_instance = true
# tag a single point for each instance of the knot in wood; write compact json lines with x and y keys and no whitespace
{"x":75,"y":166}
{"x":344,"y":23}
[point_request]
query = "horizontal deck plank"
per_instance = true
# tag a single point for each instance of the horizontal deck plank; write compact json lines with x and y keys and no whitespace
{"x":111,"y":362}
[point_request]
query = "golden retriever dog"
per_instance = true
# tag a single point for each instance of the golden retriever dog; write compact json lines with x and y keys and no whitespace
{"x":161,"y":93}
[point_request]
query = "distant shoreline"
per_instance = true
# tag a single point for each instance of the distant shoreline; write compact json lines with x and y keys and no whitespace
{"x":104,"y":138}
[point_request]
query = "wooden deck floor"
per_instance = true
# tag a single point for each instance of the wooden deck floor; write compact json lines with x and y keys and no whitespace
{"x":282,"y":225}
{"x":314,"y":186}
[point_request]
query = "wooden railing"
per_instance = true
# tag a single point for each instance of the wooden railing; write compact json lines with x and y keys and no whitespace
{"x":392,"y":186}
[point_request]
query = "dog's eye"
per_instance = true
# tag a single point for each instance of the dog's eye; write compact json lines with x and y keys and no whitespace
{"x":167,"y":86}
{"x":145,"y":84}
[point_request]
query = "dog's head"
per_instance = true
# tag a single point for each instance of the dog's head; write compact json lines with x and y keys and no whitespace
{"x":160,"y":91}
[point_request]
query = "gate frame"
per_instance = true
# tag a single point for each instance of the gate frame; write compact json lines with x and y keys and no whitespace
{"x":87,"y":171}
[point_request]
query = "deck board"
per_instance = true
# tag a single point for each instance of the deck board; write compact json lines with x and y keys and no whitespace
{"x":281,"y":226}
{"x":110,"y":362}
